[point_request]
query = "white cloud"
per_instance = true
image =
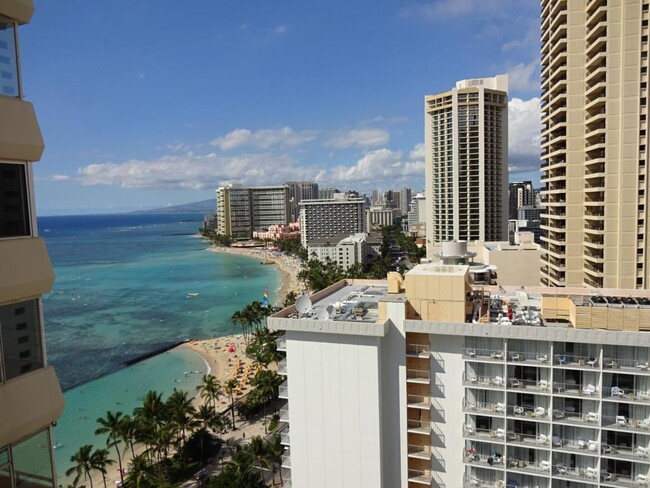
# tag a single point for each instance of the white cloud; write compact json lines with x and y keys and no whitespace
{"x":524,"y":77}
{"x":280,"y":30}
{"x":360,"y":138}
{"x":442,"y":10}
{"x":378,"y":165}
{"x":52,"y":178}
{"x":524,"y":126}
{"x":417,"y":152}
{"x":263,"y":138}
{"x":195,"y":172}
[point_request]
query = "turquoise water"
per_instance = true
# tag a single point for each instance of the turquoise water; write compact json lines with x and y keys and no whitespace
{"x":121,"y":290}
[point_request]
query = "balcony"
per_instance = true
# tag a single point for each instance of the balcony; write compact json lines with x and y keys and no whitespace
{"x":588,"y":419}
{"x":526,"y":440}
{"x":580,"y":445}
{"x":620,"y":422}
{"x":419,"y":427}
{"x":494,"y":435}
{"x":286,"y":461}
{"x":492,"y":382}
{"x":575,"y":390}
{"x":588,"y":474}
{"x":285,"y":437}
{"x":421,"y":376}
{"x":625,"y":364}
{"x":420,"y":477}
{"x":528,"y":413}
{"x":418,"y":351}
{"x":523,"y":466}
{"x":283,"y":390}
{"x":282,"y":344}
{"x":420,"y":402}
{"x":284,"y":414}
{"x":529,"y":385}
{"x":575,"y":362}
{"x":282,"y":367}
{"x":484,"y":354}
{"x":419,"y":452}
{"x":616,"y":480}
{"x":484,"y":408}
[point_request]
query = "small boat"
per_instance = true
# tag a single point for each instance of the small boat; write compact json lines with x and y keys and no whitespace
{"x":192,"y":294}
{"x":267,"y":261}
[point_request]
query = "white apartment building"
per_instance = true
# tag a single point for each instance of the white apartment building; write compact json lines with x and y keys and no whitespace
{"x":466,"y":151}
{"x":331,"y":217}
{"x":346,"y":251}
{"x":595,"y":143}
{"x":417,"y":215}
{"x":432,"y":381}
{"x":30,"y":395}
{"x":379,"y":217}
{"x":244,"y":210}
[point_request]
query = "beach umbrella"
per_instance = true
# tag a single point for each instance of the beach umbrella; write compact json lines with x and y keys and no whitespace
{"x":231,"y":348}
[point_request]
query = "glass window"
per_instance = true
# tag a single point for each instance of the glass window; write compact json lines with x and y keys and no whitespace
{"x":14,"y":210}
{"x":32,"y":461}
{"x":20,"y":333}
{"x":8,"y":62}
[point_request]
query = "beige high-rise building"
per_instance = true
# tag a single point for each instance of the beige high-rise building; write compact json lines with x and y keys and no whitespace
{"x":594,"y":143}
{"x":30,"y":395}
{"x":466,"y":146}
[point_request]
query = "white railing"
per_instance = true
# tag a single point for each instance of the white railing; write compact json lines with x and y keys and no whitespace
{"x":282,"y":366}
{"x":418,"y":375}
{"x":491,"y":354}
{"x":419,"y":450}
{"x":284,"y":414}
{"x":418,"y":349}
{"x":282,"y":344}
{"x":283,"y":390}
{"x":419,"y":426}
{"x":418,"y":401}
{"x":579,"y":361}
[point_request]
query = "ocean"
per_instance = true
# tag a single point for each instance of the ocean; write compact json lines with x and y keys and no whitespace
{"x":127,"y":285}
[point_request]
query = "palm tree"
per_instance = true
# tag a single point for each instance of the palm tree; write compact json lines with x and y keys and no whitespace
{"x":141,"y":473}
{"x":239,"y":320}
{"x":276,"y":449}
{"x":268,"y":382}
{"x":230,"y":387}
{"x":128,"y":432}
{"x":210,"y":390}
{"x":99,"y":460}
{"x":259,"y":453}
{"x":152,"y":409}
{"x":181,"y":413}
{"x":111,"y":425}
{"x":207,"y":419}
{"x":240,"y":459}
{"x":83,"y":460}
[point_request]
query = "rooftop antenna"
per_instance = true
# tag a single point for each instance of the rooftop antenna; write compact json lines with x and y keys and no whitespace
{"x":303,"y":305}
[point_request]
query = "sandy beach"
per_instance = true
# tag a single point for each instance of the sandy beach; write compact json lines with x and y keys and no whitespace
{"x":288,"y":266}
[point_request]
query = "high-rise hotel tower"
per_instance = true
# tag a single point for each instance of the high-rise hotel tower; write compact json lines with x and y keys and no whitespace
{"x":30,"y":395}
{"x":594,"y":143}
{"x":466,"y":144}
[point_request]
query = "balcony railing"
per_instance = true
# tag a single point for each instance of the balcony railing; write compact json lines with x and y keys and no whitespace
{"x":483,"y":354}
{"x":640,"y":365}
{"x":418,"y":350}
{"x":419,"y":427}
{"x":589,"y":418}
{"x":626,"y":394}
{"x":418,"y":375}
{"x":626,"y":423}
{"x":531,"y":357}
{"x":572,"y":389}
{"x":419,"y":476}
{"x":286,"y":461}
{"x":639,"y":453}
{"x":283,"y":390}
{"x":285,"y":437}
{"x":484,"y":381}
{"x":480,"y":407}
{"x":532,"y":413}
{"x":521,"y":384}
{"x":418,"y":401}
{"x":282,"y":367}
{"x":542,"y":440}
{"x":284,"y":414}
{"x":420,"y":452}
{"x":282,"y":344}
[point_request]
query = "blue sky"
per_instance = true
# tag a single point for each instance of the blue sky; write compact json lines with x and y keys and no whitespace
{"x":148,"y":103}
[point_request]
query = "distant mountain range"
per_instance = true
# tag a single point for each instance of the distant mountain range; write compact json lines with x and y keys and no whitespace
{"x":204,"y":206}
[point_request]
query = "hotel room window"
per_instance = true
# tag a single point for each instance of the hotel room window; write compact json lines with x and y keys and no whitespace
{"x":9,"y":84}
{"x":20,"y":337}
{"x":14,"y":209}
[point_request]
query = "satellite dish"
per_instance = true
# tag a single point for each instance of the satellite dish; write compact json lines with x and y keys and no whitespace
{"x":323,"y":314}
{"x":303,"y":304}
{"x":330,"y":310}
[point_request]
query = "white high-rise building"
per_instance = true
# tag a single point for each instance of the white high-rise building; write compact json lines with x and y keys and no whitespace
{"x":466,"y":145}
{"x":430,"y":381}
{"x":595,"y":143}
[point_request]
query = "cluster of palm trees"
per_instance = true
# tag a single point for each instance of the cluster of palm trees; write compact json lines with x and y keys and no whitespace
{"x":247,"y":463}
{"x":252,"y":317}
{"x":159,"y":428}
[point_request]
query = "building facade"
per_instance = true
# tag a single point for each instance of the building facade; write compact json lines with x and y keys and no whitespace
{"x":431,"y":381}
{"x":594,"y":143}
{"x":244,"y":210}
{"x":327,"y":218}
{"x":466,"y":146}
{"x":299,"y":191}
{"x":520,"y":194}
{"x":378,"y":217}
{"x":30,"y":396}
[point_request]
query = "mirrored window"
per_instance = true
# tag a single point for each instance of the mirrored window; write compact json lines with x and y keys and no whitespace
{"x":20,"y":333}
{"x":14,"y":210}
{"x":8,"y":59}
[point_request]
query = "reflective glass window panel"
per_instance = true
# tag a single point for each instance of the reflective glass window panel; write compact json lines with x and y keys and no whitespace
{"x":32,"y":461}
{"x":8,"y":61}
{"x":21,"y":338}
{"x":14,"y":209}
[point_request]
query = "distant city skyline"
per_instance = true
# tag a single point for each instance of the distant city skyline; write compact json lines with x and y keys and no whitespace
{"x":182,"y":101}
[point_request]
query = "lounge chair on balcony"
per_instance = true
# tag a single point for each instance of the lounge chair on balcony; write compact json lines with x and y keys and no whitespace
{"x":542,"y":358}
{"x":496,"y":355}
{"x":562,"y":359}
{"x":592,"y":473}
{"x":515,"y":357}
{"x":470,"y":430}
{"x":582,"y":443}
{"x":472,"y":378}
{"x":518,"y":410}
{"x":556,"y":441}
{"x":592,"y":446}
{"x":643,"y":366}
{"x":498,"y":381}
{"x":592,"y":417}
{"x":611,"y":364}
{"x":500,"y":434}
{"x":544,"y":465}
{"x":558,"y":414}
{"x":589,"y":390}
{"x":542,"y":385}
{"x":562,"y":470}
{"x":471,"y":353}
{"x":643,"y":395}
{"x":617,"y":392}
{"x":593,"y":362}
{"x":539,"y":412}
{"x":644,"y":424}
{"x":499,"y":408}
{"x":621,"y":421}
{"x":541,"y":439}
{"x":641,"y":479}
{"x":641,"y":451}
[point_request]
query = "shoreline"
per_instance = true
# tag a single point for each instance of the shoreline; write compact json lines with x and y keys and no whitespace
{"x":287,"y":266}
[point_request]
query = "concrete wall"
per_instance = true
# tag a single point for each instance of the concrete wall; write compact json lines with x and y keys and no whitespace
{"x":334,"y":410}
